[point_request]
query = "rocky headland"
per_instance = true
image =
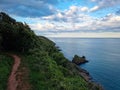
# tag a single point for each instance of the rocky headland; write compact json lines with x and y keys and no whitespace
{"x":79,"y":60}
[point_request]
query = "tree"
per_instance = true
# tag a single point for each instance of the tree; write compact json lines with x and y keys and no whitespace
{"x":15,"y":36}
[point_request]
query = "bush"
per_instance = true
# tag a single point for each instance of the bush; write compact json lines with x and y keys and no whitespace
{"x":5,"y":69}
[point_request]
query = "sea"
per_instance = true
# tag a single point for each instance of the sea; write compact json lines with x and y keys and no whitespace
{"x":103,"y":55}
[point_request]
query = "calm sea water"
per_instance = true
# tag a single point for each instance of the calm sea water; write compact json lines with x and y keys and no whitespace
{"x":103,"y":56}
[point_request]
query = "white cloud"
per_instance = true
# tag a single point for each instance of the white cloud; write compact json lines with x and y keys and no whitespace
{"x":104,"y":4}
{"x":74,"y":22}
{"x":95,"y":8}
{"x":37,"y":26}
{"x":73,"y":14}
{"x":82,"y":23}
{"x":60,"y":15}
{"x":87,"y":35}
{"x":42,"y":26}
{"x":93,"y":0}
{"x":84,"y":9}
{"x":73,"y":9}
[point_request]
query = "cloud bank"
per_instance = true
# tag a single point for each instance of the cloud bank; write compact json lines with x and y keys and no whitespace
{"x":47,"y":19}
{"x":29,"y":8}
{"x":72,"y":20}
{"x":101,"y":4}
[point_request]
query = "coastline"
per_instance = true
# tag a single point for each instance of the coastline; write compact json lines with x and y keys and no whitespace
{"x":82,"y":72}
{"x":87,"y":77}
{"x":44,"y":61}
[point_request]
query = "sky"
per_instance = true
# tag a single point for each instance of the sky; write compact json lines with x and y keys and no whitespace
{"x":67,"y":18}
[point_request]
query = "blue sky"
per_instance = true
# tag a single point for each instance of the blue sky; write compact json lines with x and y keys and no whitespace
{"x":67,"y":18}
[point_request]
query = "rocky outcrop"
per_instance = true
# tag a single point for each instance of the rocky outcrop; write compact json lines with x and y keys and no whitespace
{"x":87,"y":77}
{"x":84,"y":73}
{"x":79,"y":60}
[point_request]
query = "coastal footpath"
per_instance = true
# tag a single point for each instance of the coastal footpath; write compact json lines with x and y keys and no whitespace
{"x":42,"y":66}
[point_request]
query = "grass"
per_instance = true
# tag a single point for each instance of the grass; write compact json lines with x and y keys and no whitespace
{"x":5,"y":69}
{"x":46,"y":74}
{"x":42,"y":66}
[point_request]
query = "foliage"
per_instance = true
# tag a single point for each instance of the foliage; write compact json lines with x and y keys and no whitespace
{"x":15,"y":36}
{"x":48,"y":68}
{"x":45,"y":74}
{"x":5,"y":68}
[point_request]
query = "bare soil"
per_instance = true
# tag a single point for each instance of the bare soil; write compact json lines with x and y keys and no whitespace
{"x":12,"y":82}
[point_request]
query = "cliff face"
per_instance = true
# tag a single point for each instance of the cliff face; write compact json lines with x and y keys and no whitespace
{"x":47,"y":66}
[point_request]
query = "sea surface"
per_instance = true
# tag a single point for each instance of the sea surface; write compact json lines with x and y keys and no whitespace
{"x":103,"y":56}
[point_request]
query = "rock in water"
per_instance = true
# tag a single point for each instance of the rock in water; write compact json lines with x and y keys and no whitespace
{"x":79,"y":60}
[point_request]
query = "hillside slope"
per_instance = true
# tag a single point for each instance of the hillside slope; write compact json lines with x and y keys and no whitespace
{"x":42,"y":64}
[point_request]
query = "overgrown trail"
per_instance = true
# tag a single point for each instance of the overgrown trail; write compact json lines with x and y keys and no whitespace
{"x":12,"y":82}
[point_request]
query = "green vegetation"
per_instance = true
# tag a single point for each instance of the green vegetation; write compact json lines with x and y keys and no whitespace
{"x":48,"y":71}
{"x":15,"y":36}
{"x":5,"y":68}
{"x":47,"y":68}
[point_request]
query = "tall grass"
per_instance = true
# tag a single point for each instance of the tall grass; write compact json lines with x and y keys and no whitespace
{"x":5,"y":69}
{"x":46,"y":74}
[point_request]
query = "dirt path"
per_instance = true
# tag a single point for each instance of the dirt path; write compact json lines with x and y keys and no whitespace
{"x":12,"y":82}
